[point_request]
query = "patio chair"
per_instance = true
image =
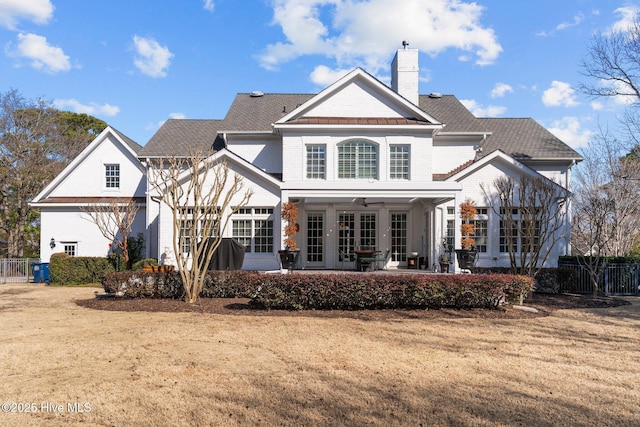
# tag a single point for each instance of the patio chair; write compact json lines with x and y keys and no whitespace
{"x":344,"y":256}
{"x":382,"y":259}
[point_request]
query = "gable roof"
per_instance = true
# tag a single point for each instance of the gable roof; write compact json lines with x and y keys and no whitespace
{"x":525,"y":139}
{"x":127,"y":143}
{"x":361,"y":78}
{"x":177,"y":136}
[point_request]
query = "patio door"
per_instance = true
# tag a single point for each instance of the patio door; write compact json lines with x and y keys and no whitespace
{"x":398,"y":228}
{"x":356,"y":230}
{"x":315,"y":239}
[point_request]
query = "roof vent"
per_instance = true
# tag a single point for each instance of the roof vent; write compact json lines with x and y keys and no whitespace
{"x":435,"y":95}
{"x":256,"y":94}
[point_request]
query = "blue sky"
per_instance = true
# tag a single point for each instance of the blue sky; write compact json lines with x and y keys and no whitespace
{"x":136,"y":63}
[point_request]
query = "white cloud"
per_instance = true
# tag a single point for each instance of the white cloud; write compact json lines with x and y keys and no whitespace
{"x":367,"y":33}
{"x":500,"y":90}
{"x":92,"y":109}
{"x":481,"y":111}
{"x":596,"y":106}
{"x":576,"y":20}
{"x":37,"y":11}
{"x":324,"y":76}
{"x":559,"y":94}
{"x":43,"y":56}
{"x":155,"y":126}
{"x":627,"y":16}
{"x":569,"y":130}
{"x":209,"y":5}
{"x":152,"y":59}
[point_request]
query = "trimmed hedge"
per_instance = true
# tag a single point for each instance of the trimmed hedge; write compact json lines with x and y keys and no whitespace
{"x":355,"y":292}
{"x":332,"y":291}
{"x":217,"y":284}
{"x":548,"y":280}
{"x":68,"y":270}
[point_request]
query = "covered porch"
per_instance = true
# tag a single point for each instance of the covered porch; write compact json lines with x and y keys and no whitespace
{"x":406,"y":227}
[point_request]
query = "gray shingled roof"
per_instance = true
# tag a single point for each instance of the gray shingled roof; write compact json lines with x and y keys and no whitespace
{"x":176,"y":136}
{"x":130,"y":142}
{"x":524,"y":138}
{"x":258,"y":113}
{"x":448,"y":110}
{"x":521,"y":138}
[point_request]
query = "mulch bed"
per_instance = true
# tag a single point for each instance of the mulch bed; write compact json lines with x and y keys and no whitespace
{"x":544,"y":303}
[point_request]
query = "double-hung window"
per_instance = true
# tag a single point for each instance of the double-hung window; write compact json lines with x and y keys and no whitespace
{"x":519,"y":230}
{"x":316,"y":161}
{"x":253,"y":228}
{"x":112,"y":176}
{"x":480,"y":224}
{"x":399,"y":162}
{"x":357,"y":159}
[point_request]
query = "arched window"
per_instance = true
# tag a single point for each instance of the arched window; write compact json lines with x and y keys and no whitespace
{"x":357,"y":159}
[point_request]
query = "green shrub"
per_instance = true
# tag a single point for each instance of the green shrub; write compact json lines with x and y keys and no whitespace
{"x":353,"y":291}
{"x":68,"y":270}
{"x":331,"y":291}
{"x":139,"y":265}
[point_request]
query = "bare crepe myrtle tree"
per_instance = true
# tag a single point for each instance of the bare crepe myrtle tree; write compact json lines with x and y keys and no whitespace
{"x":532,"y":213}
{"x":202,"y":194}
{"x":114,"y":218}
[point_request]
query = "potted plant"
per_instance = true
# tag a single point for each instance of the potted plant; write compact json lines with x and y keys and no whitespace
{"x":444,"y":262}
{"x":288,"y":255}
{"x":467,"y":255}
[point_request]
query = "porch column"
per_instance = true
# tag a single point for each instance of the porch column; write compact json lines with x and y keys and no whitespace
{"x":456,"y":229}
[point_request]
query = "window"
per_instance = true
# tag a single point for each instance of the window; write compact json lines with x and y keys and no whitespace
{"x":358,"y":160}
{"x":253,"y":228}
{"x":523,"y":234}
{"x":368,"y":231}
{"x":399,"y":162}
{"x":70,"y":248}
{"x":481,"y":229}
{"x":112,"y":176}
{"x":195,"y":225}
{"x":316,"y":161}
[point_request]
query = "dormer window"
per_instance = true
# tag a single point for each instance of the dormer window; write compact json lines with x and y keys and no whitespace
{"x":112,"y":175}
{"x":357,"y":159}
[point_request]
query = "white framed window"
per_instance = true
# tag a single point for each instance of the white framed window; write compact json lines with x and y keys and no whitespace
{"x":357,"y":159}
{"x":70,"y":248}
{"x":523,"y":234}
{"x":194,"y":225}
{"x":481,"y":223}
{"x":253,"y":228}
{"x":399,"y":162}
{"x":316,"y":161}
{"x":112,"y":176}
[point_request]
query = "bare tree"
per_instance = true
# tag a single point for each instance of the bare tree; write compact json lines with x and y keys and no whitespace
{"x":613,"y":62}
{"x":114,"y":218}
{"x":533,"y":213}
{"x":202,"y":195}
{"x":36,"y":143}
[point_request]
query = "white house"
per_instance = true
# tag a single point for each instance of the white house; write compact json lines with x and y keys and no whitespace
{"x":367,"y":165}
{"x":107,"y":170}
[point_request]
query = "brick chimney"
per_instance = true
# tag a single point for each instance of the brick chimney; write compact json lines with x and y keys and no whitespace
{"x":404,"y":73}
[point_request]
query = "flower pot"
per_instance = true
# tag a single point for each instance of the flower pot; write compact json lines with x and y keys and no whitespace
{"x":466,"y":258}
{"x":288,"y":258}
{"x":444,"y":267}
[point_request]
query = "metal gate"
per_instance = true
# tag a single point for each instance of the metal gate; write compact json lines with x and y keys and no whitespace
{"x":615,"y":279}
{"x":15,"y":270}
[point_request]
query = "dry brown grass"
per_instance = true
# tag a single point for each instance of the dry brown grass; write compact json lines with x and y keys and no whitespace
{"x":573,"y":368}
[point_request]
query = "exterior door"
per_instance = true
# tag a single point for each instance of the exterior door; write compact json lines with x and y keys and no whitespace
{"x":315,"y":239}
